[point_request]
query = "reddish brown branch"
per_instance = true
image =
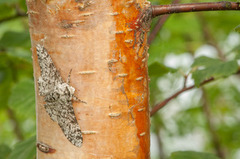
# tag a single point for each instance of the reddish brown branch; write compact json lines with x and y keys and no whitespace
{"x":193,"y":7}
{"x":161,"y":21}
{"x":157,"y":28}
{"x":163,"y":103}
{"x":15,"y":123}
{"x":160,"y":143}
{"x":209,"y":37}
{"x":12,"y":17}
{"x":212,"y":130}
{"x":18,"y":14}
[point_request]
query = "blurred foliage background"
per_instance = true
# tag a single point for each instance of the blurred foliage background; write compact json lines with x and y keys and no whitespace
{"x":190,"y":48}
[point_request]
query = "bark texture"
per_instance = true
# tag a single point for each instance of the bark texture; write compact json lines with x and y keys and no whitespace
{"x":104,"y":43}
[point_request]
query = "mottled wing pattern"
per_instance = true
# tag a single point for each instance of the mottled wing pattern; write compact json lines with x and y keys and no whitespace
{"x":58,"y":96}
{"x":50,"y":76}
{"x":70,"y":126}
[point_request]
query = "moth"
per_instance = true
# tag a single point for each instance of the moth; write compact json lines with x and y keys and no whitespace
{"x":58,"y":96}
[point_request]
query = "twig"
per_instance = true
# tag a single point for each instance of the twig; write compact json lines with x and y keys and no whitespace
{"x":205,"y":106}
{"x":18,"y":15}
{"x":193,"y":7}
{"x":160,"y":142}
{"x":157,"y":28}
{"x":209,"y":37}
{"x":212,"y":130}
{"x":165,"y":102}
{"x":185,"y":80}
{"x":15,"y":123}
{"x":161,"y":21}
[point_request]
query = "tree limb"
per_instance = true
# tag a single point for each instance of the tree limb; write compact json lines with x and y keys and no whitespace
{"x":209,"y":37}
{"x":158,"y":10}
{"x":165,"y":102}
{"x":16,"y":126}
{"x":212,"y":130}
{"x":161,"y":21}
{"x":13,"y":17}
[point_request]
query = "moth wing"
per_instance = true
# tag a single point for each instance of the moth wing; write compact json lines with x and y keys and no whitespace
{"x":70,"y":126}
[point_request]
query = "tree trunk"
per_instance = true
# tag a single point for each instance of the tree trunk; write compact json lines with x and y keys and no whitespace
{"x":104,"y":46}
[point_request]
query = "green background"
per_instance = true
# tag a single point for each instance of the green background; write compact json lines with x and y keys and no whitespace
{"x":187,"y":46}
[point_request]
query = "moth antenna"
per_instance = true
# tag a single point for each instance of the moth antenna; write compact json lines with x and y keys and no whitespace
{"x":69,"y":75}
{"x":76,"y":99}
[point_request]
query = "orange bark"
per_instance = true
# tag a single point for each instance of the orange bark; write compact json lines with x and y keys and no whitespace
{"x":105,"y":45}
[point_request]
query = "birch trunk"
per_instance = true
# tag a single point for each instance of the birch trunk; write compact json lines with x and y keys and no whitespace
{"x":104,"y":43}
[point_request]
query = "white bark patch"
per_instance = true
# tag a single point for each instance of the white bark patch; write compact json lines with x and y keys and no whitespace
{"x":139,"y":78}
{"x":86,"y":72}
{"x":142,"y":134}
{"x":122,"y":75}
{"x":89,"y":132}
{"x":114,"y":13}
{"x":112,"y":115}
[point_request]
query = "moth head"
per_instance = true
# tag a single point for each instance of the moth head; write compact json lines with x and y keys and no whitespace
{"x":41,"y":52}
{"x":65,"y":90}
{"x":52,"y":96}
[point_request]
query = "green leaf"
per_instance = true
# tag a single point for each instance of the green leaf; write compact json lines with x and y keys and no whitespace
{"x":237,"y":57}
{"x":237,"y":29}
{"x":205,"y":61}
{"x":192,"y":155}
{"x":20,"y":53}
{"x":23,"y":6}
{"x":25,"y":149}
{"x":212,"y":68}
{"x":8,"y":1}
{"x":6,"y":11}
{"x":15,"y":39}
{"x":5,"y":86}
{"x":22,"y":98}
{"x":5,"y":80}
{"x":4,"y":151}
{"x":158,"y":69}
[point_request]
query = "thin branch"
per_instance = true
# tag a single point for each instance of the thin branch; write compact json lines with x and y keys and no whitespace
{"x":160,"y":143}
{"x":206,"y":107}
{"x":212,"y":130}
{"x":165,"y":102}
{"x":193,"y":7}
{"x":185,"y":80}
{"x":15,"y":123}
{"x":157,"y":28}
{"x":209,"y":37}
{"x":18,"y":15}
{"x":161,"y":21}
